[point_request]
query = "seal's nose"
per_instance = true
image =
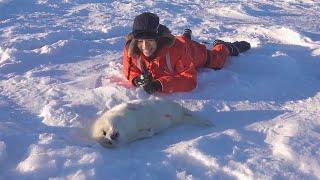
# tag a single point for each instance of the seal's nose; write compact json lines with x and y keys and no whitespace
{"x":114,"y":136}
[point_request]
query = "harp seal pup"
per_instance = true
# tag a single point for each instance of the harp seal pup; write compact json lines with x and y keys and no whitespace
{"x":138,"y":119}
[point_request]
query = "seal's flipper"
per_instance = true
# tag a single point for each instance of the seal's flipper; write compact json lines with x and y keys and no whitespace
{"x":193,"y":118}
{"x":143,"y":133}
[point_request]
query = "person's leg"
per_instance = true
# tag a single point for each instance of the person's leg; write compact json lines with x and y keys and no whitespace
{"x":221,"y":50}
{"x":197,"y":51}
{"x":202,"y":57}
{"x":235,"y":48}
{"x":217,"y":57}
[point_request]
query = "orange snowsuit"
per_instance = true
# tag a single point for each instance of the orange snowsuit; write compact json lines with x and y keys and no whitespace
{"x":175,"y":66}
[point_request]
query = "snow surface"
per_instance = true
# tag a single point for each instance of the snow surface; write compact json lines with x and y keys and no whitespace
{"x":60,"y":67}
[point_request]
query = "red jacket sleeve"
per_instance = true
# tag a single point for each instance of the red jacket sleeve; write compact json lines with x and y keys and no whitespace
{"x":185,"y":75}
{"x":130,"y":70}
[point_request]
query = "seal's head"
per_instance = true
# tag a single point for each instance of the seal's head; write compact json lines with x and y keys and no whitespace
{"x":106,"y":133}
{"x":109,"y":138}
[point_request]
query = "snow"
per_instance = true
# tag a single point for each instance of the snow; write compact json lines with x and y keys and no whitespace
{"x":61,"y":67}
{"x":3,"y":152}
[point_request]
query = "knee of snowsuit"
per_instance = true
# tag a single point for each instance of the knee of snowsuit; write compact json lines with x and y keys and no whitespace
{"x":217,"y":56}
{"x":202,"y":57}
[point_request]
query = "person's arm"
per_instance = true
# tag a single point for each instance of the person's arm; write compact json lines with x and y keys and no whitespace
{"x":185,"y":77}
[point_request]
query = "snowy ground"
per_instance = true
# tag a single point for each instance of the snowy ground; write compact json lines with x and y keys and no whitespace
{"x":60,"y":66}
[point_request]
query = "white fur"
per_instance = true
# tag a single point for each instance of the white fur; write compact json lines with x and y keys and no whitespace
{"x":139,"y":119}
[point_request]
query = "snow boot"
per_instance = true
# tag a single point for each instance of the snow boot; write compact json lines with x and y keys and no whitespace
{"x":187,"y":33}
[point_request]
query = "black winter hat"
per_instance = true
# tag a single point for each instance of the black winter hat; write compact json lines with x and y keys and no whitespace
{"x":146,"y":26}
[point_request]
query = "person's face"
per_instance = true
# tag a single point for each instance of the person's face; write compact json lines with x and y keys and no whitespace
{"x":147,"y":46}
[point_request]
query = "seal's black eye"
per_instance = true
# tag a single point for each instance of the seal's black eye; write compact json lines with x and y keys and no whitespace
{"x":104,"y":132}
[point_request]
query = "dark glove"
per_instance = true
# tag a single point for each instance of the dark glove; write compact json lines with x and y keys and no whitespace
{"x":234,"y":48}
{"x":141,"y":80}
{"x":152,"y":87}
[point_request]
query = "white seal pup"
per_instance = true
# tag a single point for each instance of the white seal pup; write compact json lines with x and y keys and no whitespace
{"x":138,"y":119}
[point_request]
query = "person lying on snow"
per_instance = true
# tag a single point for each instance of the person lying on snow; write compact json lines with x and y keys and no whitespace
{"x":161,"y":62}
